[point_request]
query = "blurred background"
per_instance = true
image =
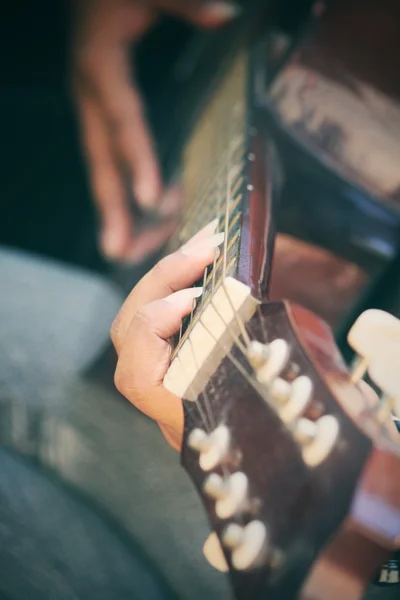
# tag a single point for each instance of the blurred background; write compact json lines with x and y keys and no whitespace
{"x":81,"y":472}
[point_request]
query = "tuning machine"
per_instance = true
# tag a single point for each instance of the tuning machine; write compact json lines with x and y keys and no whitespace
{"x":230,"y":493}
{"x":212,"y":447}
{"x":248,"y":544}
{"x":384,"y":371}
{"x":268,"y":360}
{"x":368,"y":337}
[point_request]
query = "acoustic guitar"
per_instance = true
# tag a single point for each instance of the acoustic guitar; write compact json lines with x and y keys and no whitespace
{"x":298,"y":472}
{"x":333,"y":110}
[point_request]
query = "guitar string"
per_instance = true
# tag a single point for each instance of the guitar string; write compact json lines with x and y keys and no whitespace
{"x":196,"y":206}
{"x":225,"y":468}
{"x":230,"y":175}
{"x":209,"y":413}
{"x":208,"y":409}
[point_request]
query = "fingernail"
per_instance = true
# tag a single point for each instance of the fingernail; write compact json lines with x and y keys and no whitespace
{"x":204,"y":245}
{"x":146,"y":193}
{"x":111,"y":244}
{"x":222,"y":10}
{"x":183,"y":297}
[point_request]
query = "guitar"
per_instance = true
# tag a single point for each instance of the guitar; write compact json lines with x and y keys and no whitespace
{"x":333,"y":111}
{"x":299,"y":476}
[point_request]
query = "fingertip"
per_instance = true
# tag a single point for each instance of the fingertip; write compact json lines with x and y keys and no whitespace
{"x":147,"y":192}
{"x":112,"y":244}
{"x":218,"y":13}
{"x":184,"y":300}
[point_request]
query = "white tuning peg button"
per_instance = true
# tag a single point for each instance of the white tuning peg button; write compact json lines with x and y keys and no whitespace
{"x":316,"y":438}
{"x":249,"y":544}
{"x":199,"y":440}
{"x":384,"y":371}
{"x":291,"y":399}
{"x":372,"y":328}
{"x":214,"y":554}
{"x":257,"y":354}
{"x":215,"y":487}
{"x":231,"y":494}
{"x":268,"y":363}
{"x":212,"y":447}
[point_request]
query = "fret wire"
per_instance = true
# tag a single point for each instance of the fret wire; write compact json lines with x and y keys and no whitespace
{"x":204,"y":194}
{"x":186,"y":334}
{"x":196,"y":206}
{"x":232,"y":242}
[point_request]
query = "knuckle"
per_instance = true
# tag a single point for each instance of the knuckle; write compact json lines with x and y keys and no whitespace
{"x":85,"y":74}
{"x":162,"y":272}
{"x":123,"y":381}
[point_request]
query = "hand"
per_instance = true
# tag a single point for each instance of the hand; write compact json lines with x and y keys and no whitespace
{"x":116,"y":137}
{"x":152,"y":313}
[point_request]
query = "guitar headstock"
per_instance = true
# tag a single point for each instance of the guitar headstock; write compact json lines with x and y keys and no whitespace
{"x":281,"y":445}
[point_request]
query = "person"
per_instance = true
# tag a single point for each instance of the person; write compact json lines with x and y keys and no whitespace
{"x":151,"y":314}
{"x":115,"y":133}
{"x":141,"y":331}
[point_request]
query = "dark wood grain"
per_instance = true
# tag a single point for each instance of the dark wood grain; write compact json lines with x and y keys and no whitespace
{"x":341,"y":90}
{"x":316,"y":278}
{"x":301,"y":507}
{"x":334,"y":114}
{"x":263,"y":183}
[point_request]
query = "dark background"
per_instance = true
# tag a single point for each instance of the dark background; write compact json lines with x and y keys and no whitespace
{"x":45,"y":199}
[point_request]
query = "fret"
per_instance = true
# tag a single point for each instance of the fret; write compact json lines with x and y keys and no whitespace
{"x":195,"y":213}
{"x":197,"y":315}
{"x":213,"y":180}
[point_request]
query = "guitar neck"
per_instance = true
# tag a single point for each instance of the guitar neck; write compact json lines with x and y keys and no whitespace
{"x":230,"y":173}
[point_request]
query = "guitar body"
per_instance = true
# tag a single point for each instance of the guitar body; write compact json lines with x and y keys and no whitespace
{"x":302,"y":506}
{"x":312,"y":505}
{"x":334,"y":112}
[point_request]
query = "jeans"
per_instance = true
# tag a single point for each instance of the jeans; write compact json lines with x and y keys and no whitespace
{"x":93,"y":503}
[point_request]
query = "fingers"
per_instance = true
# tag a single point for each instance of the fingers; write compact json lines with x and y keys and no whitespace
{"x":116,"y":138}
{"x":202,"y":14}
{"x":149,"y":241}
{"x":116,"y":221}
{"x":174,"y":272}
{"x":144,"y":359}
{"x":123,"y":113}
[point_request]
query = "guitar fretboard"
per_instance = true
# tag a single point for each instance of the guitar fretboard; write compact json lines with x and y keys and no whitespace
{"x":213,"y":175}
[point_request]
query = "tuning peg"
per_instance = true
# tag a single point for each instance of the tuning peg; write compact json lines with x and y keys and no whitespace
{"x":214,"y":554}
{"x":268,"y":360}
{"x":316,"y":438}
{"x":291,"y":399}
{"x":249,"y":544}
{"x":231,"y":494}
{"x":384,"y":371}
{"x":212,"y":447}
{"x":372,"y":328}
